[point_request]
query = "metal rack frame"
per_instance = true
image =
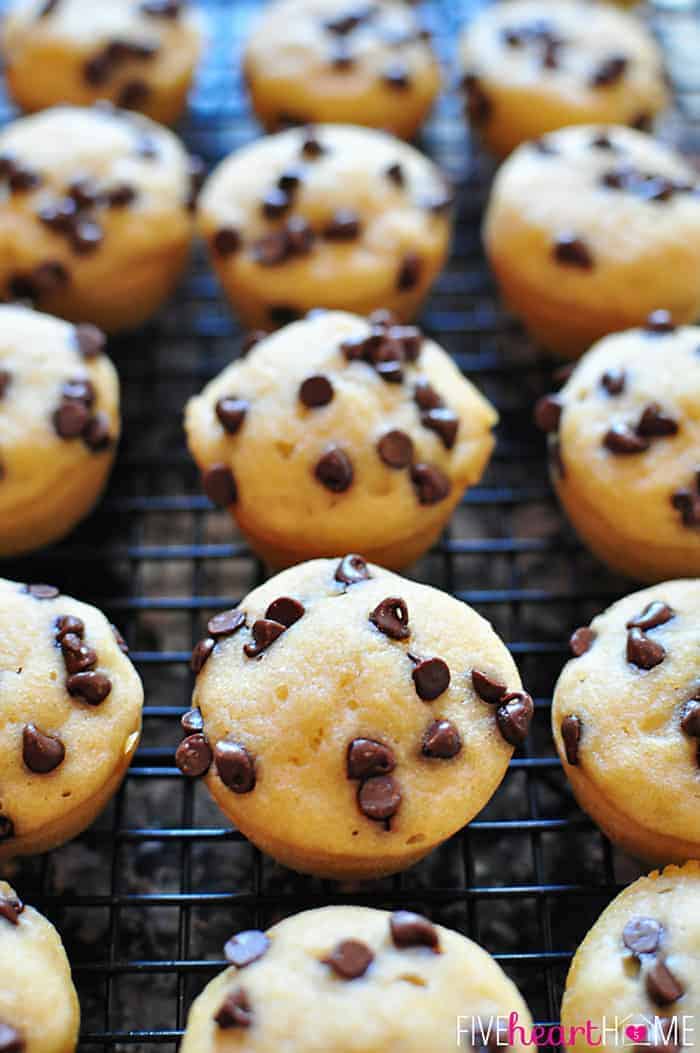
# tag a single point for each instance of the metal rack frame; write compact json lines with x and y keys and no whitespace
{"x":145,"y":899}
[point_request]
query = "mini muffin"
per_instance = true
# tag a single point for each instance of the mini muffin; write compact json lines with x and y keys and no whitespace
{"x":636,"y":972}
{"x":59,"y":426}
{"x":95,"y":220}
{"x":532,"y":66}
{"x":139,"y":54}
{"x":626,"y":721}
{"x":336,"y":216}
{"x":345,"y":979}
{"x":589,"y":230}
{"x":625,"y":446}
{"x":339,"y":433}
{"x":39,"y":1011}
{"x":352,"y":720}
{"x":335,"y":60}
{"x":71,"y":703}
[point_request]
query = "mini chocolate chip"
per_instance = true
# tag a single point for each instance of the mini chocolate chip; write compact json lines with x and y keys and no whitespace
{"x":231,"y":412}
{"x":572,"y":251}
{"x":265,"y":632}
{"x":351,"y":570}
{"x":430,"y":483}
{"x":426,"y":396}
{"x":49,"y":276}
{"x":86,"y":236}
{"x":92,"y":687}
{"x":41,"y":753}
{"x":235,"y":1010}
{"x":623,"y":439}
{"x":396,"y":174}
{"x":441,"y":740}
{"x":21,"y":179}
{"x":610,"y":71}
{"x":334,"y":470}
{"x":315,"y":391}
{"x":96,"y":433}
{"x":391,"y":618}
{"x":133,"y":94}
{"x":42,"y":592}
{"x":654,"y":422}
{"x":479,"y":105}
{"x":379,"y":797}
{"x":350,"y":959}
{"x":219,"y":485}
{"x":245,"y":948}
{"x":396,"y":449}
{"x":7,"y":828}
{"x":659,"y":322}
{"x":271,"y":249}
{"x":121,"y":195}
{"x":690,"y":718}
{"x":662,"y":986}
{"x":80,"y":389}
{"x":286,"y":611}
{"x":90,"y":340}
{"x":76,"y":654}
{"x":397,"y":77}
{"x":654,"y":614}
{"x":571,"y":728}
{"x":311,"y":146}
{"x":69,"y":624}
{"x":488,"y":689}
{"x":410,"y":338}
{"x":5,"y":380}
{"x":192,"y":721}
{"x":409,"y":272}
{"x":643,"y":652}
{"x":431,"y":677}
{"x":200,"y":653}
{"x":548,"y":412}
{"x":235,"y":765}
{"x":602,"y":141}
{"x":444,"y":422}
{"x":226,"y":241}
{"x":581,"y":640}
{"x":344,"y":225}
{"x":226,"y":623}
{"x":390,"y":371}
{"x":10,"y":909}
{"x":642,"y":935}
{"x":514,"y":716}
{"x":614,"y":381}
{"x":413,"y":930}
{"x":11,"y":1040}
{"x":275,"y":203}
{"x":299,"y":236}
{"x":47,"y":8}
{"x":367,"y":758}
{"x":193,"y":756}
{"x":687,"y":501}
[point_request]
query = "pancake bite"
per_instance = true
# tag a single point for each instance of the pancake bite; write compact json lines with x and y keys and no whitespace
{"x":95,"y":214}
{"x":532,"y":66}
{"x":626,"y":721}
{"x":59,"y":426}
{"x":334,"y":216}
{"x":341,"y":434}
{"x":39,"y":1011}
{"x":138,"y":54}
{"x":591,"y":229}
{"x":341,"y":979}
{"x":313,"y":61}
{"x":71,"y":717}
{"x":624,"y":442}
{"x":352,"y":720}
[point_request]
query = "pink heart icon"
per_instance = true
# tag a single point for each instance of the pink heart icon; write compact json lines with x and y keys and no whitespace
{"x":636,"y":1034}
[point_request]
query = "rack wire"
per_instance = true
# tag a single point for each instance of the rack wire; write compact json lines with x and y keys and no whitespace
{"x":146,"y":898}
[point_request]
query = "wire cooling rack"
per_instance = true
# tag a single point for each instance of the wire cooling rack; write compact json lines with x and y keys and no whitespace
{"x":146,"y":898}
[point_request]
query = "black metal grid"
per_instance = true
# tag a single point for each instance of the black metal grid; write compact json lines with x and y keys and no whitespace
{"x":145,"y":899}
